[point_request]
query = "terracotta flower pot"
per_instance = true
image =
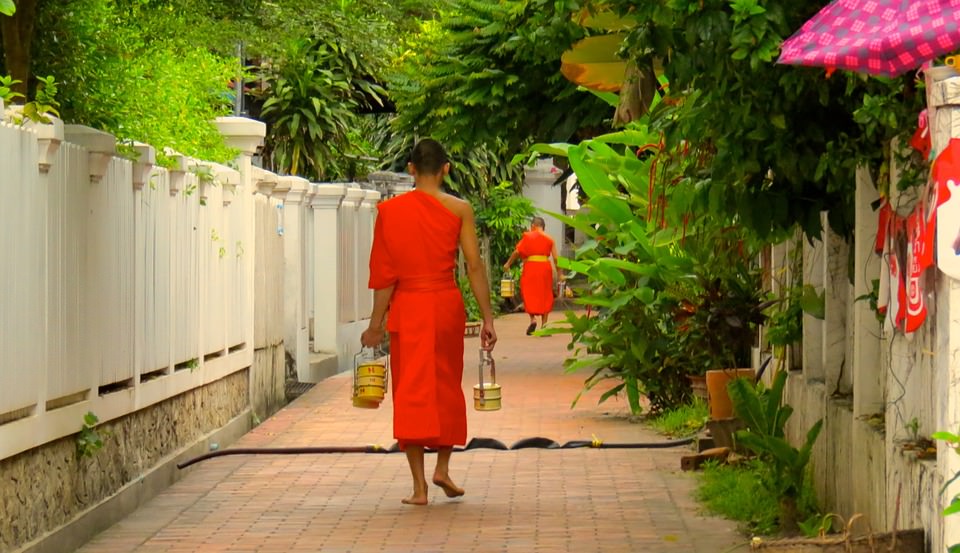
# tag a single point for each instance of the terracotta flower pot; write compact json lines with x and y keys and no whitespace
{"x":717,"y":397}
{"x":698,"y":384}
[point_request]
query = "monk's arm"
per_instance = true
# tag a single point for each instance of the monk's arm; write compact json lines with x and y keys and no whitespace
{"x":381,"y":302}
{"x":513,"y":257}
{"x":475,"y":270}
{"x":556,"y":262}
{"x":373,"y":335}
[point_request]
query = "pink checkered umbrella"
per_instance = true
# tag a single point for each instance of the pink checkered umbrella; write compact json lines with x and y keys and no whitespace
{"x":880,"y":37}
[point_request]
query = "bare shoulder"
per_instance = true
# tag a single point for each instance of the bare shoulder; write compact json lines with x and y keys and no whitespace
{"x":456,"y":205}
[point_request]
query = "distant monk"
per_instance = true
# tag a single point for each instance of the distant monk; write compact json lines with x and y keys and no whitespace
{"x":536,"y":282}
{"x":412,"y":272}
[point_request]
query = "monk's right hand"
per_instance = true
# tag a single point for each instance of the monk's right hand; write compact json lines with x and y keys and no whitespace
{"x":488,"y":336}
{"x":372,"y":337}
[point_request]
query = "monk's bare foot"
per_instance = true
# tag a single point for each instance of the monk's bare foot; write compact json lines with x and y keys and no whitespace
{"x":448,"y":486}
{"x":419,"y":497}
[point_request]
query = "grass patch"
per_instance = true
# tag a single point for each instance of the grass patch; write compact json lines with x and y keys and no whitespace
{"x":737,"y":492}
{"x":682,"y":421}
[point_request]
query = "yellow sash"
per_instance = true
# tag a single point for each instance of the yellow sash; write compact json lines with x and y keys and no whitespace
{"x":537,"y":258}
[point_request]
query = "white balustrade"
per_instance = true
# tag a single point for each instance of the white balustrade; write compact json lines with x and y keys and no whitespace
{"x":326,"y":265}
{"x":120,"y":289}
{"x":125,"y":283}
{"x":292,"y":191}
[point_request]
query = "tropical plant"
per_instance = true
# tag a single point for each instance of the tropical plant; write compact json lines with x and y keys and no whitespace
{"x":45,"y":101}
{"x":739,"y":492}
{"x":784,"y":326}
{"x":7,"y":93}
{"x":783,"y":142}
{"x":489,"y":73}
{"x":159,"y":71}
{"x":765,"y":416}
{"x":631,"y":258}
{"x":720,"y":309}
{"x":309,"y":104}
{"x":677,"y":291}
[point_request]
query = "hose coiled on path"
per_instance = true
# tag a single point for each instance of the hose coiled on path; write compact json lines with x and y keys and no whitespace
{"x":475,"y":443}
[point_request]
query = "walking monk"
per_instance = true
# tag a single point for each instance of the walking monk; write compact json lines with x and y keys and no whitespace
{"x":536,"y":282}
{"x":412,"y":273}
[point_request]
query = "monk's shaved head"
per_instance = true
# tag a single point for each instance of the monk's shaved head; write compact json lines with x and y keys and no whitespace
{"x":538,"y":222}
{"x":428,"y":157}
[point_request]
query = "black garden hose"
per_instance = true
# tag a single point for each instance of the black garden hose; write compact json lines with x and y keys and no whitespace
{"x":475,"y":443}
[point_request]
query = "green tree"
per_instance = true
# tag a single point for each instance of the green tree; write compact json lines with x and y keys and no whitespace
{"x":310,"y":104}
{"x":783,"y":142}
{"x":489,"y":73}
{"x":118,"y":72}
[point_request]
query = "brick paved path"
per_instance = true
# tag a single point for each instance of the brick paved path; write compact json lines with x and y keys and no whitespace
{"x":580,"y":500}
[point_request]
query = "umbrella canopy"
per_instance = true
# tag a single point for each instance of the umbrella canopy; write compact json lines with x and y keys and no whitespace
{"x":880,"y":37}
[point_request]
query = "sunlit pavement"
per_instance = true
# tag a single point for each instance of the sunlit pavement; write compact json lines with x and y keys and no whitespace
{"x":577,"y":500}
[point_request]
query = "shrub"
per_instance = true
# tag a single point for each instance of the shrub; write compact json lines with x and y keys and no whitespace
{"x":116,"y":75}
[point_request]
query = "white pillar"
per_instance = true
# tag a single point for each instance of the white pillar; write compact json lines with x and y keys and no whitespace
{"x":367,"y":217}
{"x":350,"y":256}
{"x":538,"y":187}
{"x":868,"y":373}
{"x":295,"y":331}
{"x":814,"y":268}
{"x":245,"y":135}
{"x":836,"y":370}
{"x":265,"y":181}
{"x":308,"y":254}
{"x":325,"y":205}
{"x":943,"y":100}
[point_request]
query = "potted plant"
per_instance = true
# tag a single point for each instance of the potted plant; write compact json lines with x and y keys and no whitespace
{"x":720,"y":308}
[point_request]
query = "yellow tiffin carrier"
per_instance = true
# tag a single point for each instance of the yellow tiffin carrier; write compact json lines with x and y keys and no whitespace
{"x":486,"y":395}
{"x":507,"y":288}
{"x":369,"y":378}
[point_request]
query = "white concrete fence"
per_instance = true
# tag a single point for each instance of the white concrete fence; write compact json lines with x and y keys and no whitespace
{"x":328,"y":232}
{"x":876,"y":388}
{"x":122,"y":284}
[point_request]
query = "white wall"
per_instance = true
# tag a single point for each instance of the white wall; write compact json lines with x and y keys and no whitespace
{"x":328,"y":235}
{"x":120,"y":290}
{"x":538,"y":187}
{"x":871,"y":384}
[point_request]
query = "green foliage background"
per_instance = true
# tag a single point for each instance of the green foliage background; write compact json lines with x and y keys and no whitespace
{"x":133,"y":74}
{"x":488,"y":73}
{"x":756,"y":119}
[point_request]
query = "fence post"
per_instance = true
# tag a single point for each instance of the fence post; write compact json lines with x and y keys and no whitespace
{"x":245,"y":135}
{"x":350,"y":253}
{"x":868,"y":373}
{"x":326,"y":263}
{"x":368,"y":208}
{"x":295,"y":335}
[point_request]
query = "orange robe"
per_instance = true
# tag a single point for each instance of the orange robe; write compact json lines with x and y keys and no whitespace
{"x":536,"y":281}
{"x":415,"y":245}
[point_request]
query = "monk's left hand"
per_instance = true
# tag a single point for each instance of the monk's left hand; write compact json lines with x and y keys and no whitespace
{"x":488,"y":336}
{"x":371,"y":337}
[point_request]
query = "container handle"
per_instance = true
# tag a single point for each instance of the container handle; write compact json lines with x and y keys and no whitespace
{"x":486,"y":358}
{"x":480,"y":371}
